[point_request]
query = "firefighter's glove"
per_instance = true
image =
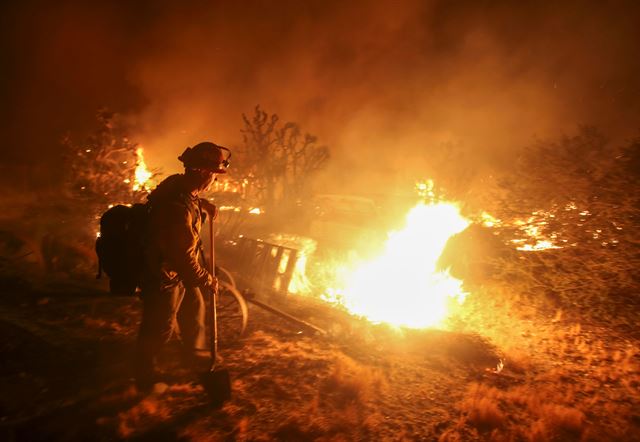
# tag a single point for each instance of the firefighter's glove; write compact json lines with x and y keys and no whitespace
{"x":210,"y":208}
{"x":212,"y":283}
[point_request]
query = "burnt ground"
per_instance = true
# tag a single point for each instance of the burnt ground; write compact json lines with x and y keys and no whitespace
{"x":65,"y":375}
{"x":546,"y":347}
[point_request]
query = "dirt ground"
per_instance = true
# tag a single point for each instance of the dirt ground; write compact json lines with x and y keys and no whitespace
{"x":545,"y":348}
{"x":65,"y":375}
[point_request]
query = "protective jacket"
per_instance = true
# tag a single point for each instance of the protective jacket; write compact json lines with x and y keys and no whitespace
{"x":173,"y":244}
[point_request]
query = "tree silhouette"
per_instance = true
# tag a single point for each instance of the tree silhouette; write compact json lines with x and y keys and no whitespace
{"x":278,"y":160}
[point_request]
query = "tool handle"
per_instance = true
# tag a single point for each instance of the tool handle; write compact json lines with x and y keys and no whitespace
{"x":213,"y":297}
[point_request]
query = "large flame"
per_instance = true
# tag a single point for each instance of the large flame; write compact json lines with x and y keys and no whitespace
{"x":142,"y":174}
{"x":402,"y":286}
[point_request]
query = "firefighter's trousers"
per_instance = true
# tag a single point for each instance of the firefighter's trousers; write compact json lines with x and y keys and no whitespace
{"x":167,"y":310}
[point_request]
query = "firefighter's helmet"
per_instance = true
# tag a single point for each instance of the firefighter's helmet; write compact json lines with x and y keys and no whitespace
{"x":206,"y":155}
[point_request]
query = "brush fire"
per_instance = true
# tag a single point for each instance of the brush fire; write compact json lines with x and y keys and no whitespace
{"x":399,"y":281}
{"x":403,"y":286}
{"x":424,"y":224}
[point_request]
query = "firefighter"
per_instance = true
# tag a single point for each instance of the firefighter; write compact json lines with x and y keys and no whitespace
{"x":173,"y":274}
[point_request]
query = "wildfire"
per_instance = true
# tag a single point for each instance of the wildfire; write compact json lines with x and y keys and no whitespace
{"x":532,"y":235}
{"x":142,"y":174}
{"x":402,"y":286}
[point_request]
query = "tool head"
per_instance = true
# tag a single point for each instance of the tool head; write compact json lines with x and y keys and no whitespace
{"x":217,"y":384}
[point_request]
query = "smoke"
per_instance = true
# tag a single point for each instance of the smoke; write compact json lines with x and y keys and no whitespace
{"x":384,"y":84}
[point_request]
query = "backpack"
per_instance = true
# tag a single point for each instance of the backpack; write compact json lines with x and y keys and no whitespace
{"x":120,"y":246}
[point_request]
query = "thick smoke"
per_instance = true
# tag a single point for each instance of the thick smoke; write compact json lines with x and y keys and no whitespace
{"x":384,"y":84}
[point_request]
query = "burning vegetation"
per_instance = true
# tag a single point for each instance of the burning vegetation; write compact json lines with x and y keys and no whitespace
{"x":403,"y":285}
{"x":415,"y":239}
{"x":107,"y":167}
{"x":506,"y":312}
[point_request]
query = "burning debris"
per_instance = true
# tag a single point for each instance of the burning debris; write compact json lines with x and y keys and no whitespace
{"x":305,"y":247}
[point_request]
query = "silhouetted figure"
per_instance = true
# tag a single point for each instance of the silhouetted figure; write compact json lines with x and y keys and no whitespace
{"x":173,"y":274}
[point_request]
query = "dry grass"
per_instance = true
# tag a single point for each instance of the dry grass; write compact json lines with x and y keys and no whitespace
{"x":489,"y":408}
{"x":350,"y":383}
{"x":562,"y":380}
{"x":341,"y":409}
{"x":134,"y":418}
{"x":561,"y":418}
{"x":482,"y":407}
{"x":154,"y":409}
{"x":572,"y":372}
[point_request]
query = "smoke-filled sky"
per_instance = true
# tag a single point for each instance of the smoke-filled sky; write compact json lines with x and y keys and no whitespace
{"x":381,"y":82}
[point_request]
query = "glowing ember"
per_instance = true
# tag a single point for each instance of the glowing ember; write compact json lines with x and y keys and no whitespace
{"x":540,"y":245}
{"x":229,"y":208}
{"x":403,"y":286}
{"x":425,"y":190}
{"x":142,"y":174}
{"x":255,"y":211}
{"x":532,"y":231}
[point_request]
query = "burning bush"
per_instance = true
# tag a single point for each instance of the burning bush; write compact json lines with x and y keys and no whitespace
{"x":482,"y":407}
{"x":102,"y":169}
{"x":580,"y":195}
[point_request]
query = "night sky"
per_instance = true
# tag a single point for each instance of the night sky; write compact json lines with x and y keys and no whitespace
{"x":380,"y":82}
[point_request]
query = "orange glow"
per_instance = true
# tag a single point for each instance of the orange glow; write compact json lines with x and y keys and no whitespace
{"x":300,"y":284}
{"x":402,"y":286}
{"x":229,"y":209}
{"x":532,"y":236}
{"x":142,"y":174}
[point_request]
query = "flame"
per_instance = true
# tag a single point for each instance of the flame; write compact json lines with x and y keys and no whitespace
{"x":255,"y":211}
{"x":304,"y":247}
{"x":402,"y":286}
{"x":229,"y":208}
{"x":142,"y":174}
{"x":300,"y":284}
{"x":426,"y":190}
{"x":539,"y":245}
{"x":531,"y":231}
{"x":488,"y":220}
